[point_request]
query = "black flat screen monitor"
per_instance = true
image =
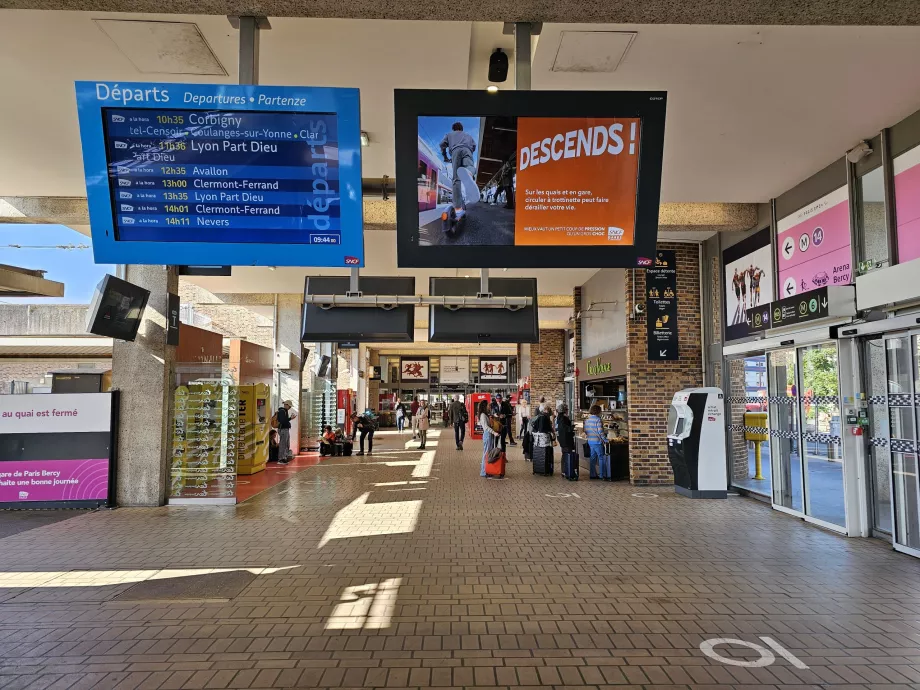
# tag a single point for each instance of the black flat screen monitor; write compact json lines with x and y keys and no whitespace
{"x":484,"y":325}
{"x":528,"y":179}
{"x":358,"y":324}
{"x":117,"y":308}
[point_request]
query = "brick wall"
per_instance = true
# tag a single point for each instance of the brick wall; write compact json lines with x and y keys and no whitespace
{"x":547,"y":364}
{"x":739,"y":447}
{"x":651,"y":385}
{"x":34,"y":371}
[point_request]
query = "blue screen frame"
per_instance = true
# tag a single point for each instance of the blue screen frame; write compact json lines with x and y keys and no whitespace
{"x":344,"y":103}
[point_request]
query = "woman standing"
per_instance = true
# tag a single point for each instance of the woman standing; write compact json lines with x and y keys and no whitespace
{"x":424,"y":421}
{"x":489,"y":435}
{"x":565,"y":429}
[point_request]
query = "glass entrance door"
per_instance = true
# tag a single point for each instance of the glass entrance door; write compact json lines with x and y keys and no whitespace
{"x":902,"y":358}
{"x":786,"y":461}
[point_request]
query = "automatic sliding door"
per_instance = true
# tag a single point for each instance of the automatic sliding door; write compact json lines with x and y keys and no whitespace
{"x":786,"y":462}
{"x":903,"y":359}
{"x":822,"y":449}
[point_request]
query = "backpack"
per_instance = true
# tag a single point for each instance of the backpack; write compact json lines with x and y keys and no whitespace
{"x":275,"y":421}
{"x":464,"y":416}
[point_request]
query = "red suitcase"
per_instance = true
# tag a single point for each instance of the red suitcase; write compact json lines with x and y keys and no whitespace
{"x":496,"y":469}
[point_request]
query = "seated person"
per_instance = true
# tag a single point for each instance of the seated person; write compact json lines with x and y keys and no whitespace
{"x":327,"y":442}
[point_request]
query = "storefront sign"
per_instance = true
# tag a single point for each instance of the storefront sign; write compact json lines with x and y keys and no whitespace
{"x":748,"y":279}
{"x":603,"y":366}
{"x":413,"y":369}
{"x":202,"y":174}
{"x":814,"y":246}
{"x":493,"y":370}
{"x":907,"y":203}
{"x":56,"y":449}
{"x":661,"y":306}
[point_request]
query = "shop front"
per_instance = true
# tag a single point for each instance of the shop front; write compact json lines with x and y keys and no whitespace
{"x":602,"y":382}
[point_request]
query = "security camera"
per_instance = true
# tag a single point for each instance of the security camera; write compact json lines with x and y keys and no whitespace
{"x":858,"y":152}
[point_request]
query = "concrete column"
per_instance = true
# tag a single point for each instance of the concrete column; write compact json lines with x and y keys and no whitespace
{"x":144,"y":371}
{"x":289,"y":381}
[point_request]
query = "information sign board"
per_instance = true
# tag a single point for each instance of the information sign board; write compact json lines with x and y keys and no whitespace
{"x":222,"y":174}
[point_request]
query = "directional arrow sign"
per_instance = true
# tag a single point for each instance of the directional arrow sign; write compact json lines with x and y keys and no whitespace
{"x":788,"y":247}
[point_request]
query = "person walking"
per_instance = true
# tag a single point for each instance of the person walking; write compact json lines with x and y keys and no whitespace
{"x":506,"y":414}
{"x":597,"y":437}
{"x":424,"y":421}
{"x":459,"y":418}
{"x":413,"y":411}
{"x":400,"y":417}
{"x":366,"y":425}
{"x":285,"y":416}
{"x":489,"y":435}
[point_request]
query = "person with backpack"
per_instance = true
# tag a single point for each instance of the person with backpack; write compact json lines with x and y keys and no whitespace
{"x":366,"y":425}
{"x":400,"y":417}
{"x":282,"y":421}
{"x":459,"y":418}
{"x":599,"y":463}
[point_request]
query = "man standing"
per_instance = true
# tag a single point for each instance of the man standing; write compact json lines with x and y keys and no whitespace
{"x":285,"y":417}
{"x":413,"y":410}
{"x":458,"y":417}
{"x":506,"y":414}
{"x":462,"y":147}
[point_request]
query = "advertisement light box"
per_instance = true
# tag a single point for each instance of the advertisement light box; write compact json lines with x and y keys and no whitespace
{"x":528,"y":179}
{"x":200,"y":174}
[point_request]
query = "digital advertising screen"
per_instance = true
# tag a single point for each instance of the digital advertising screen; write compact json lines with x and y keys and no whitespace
{"x":528,"y":179}
{"x":222,"y":175}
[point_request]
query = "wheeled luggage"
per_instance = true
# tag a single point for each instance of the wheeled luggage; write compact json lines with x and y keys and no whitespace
{"x":543,"y":460}
{"x":570,"y":465}
{"x":496,"y":468}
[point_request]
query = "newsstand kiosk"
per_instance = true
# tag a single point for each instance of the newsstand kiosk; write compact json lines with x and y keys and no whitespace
{"x":696,"y":443}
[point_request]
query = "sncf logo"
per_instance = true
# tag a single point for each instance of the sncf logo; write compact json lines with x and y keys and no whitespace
{"x":352,"y":261}
{"x":642,"y":261}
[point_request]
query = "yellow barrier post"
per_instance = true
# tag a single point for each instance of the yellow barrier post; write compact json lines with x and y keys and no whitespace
{"x":754,"y":420}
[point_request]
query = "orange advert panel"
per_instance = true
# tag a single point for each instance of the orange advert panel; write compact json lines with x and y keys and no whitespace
{"x":576,"y":181}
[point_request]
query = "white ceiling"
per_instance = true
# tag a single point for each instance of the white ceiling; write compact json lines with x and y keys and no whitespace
{"x":751,"y":110}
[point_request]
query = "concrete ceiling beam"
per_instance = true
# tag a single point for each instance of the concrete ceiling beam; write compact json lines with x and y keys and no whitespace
{"x":24,"y":282}
{"x":746,"y":12}
{"x":380,"y":214}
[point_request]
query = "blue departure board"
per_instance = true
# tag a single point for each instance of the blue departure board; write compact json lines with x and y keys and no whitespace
{"x":239,"y":183}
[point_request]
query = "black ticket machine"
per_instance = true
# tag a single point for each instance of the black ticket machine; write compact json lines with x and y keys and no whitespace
{"x":696,"y":443}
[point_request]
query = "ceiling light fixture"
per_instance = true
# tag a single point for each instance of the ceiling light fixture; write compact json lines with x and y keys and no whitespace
{"x":492,"y":88}
{"x":365,"y":139}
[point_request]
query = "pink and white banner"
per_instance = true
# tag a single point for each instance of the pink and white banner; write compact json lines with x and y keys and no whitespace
{"x":54,"y":480}
{"x":813,"y":246}
{"x":907,"y":203}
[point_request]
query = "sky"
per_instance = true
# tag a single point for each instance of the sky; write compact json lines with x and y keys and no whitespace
{"x":75,"y":268}
{"x":433,"y":128}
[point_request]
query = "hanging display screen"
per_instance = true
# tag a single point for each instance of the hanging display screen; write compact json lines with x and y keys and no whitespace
{"x":528,"y":179}
{"x":196,"y":174}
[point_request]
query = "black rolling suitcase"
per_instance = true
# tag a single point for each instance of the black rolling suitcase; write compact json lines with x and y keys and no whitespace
{"x":570,"y":465}
{"x":527,"y":444}
{"x":543,"y":460}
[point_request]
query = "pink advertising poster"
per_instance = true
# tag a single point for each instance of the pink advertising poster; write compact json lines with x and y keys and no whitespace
{"x":54,"y":480}
{"x":813,"y":246}
{"x":907,"y":203}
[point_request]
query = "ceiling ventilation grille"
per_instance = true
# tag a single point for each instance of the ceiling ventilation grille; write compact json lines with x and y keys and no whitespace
{"x":592,"y":51}
{"x":163,"y":47}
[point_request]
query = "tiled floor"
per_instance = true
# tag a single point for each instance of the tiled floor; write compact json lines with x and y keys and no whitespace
{"x":405,"y":569}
